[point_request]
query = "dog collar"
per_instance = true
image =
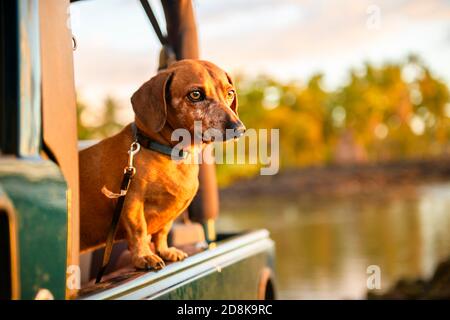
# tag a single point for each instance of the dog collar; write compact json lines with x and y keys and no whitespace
{"x":148,"y":143}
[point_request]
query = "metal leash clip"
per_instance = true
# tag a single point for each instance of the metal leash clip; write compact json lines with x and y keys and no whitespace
{"x":129,"y":170}
{"x":134,"y":149}
{"x":128,"y":174}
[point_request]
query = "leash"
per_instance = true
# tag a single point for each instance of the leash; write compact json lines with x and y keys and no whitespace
{"x":140,"y":139}
{"x":167,"y":55}
{"x":128,"y":174}
{"x":151,"y":16}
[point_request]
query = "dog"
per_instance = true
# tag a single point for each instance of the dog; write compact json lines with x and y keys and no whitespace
{"x":188,"y":91}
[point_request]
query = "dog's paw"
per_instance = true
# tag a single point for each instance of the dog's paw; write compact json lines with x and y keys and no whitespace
{"x":173,"y":254}
{"x":150,"y":261}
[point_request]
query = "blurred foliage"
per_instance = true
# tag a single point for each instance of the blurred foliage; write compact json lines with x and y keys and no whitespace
{"x":107,"y":120}
{"x":394,"y":111}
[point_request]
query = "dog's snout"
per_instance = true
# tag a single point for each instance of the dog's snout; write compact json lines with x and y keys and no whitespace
{"x":237,"y":127}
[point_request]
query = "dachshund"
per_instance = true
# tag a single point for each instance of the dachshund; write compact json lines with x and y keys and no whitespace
{"x":187,"y":92}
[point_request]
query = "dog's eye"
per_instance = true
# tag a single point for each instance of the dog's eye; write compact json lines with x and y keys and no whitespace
{"x":230,"y":95}
{"x":195,"y":96}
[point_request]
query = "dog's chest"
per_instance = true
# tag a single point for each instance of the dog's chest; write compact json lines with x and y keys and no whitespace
{"x":169,"y":189}
{"x":179,"y":183}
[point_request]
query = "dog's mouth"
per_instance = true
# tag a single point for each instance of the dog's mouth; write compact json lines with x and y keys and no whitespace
{"x":208,"y":140}
{"x":204,"y":138}
{"x":209,"y":136}
{"x":229,"y":135}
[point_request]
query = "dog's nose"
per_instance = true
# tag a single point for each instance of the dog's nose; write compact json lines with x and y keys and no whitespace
{"x":237,"y":127}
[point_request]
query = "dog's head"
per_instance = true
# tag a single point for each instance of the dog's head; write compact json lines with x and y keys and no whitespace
{"x":190,"y":91}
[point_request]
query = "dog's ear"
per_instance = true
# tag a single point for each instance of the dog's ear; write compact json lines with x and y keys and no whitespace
{"x":234,"y":105}
{"x":150,"y":101}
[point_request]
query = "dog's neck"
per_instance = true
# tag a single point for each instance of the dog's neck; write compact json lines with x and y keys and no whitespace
{"x":164,"y":136}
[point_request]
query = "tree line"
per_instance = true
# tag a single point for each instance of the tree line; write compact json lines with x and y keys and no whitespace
{"x":393,"y":111}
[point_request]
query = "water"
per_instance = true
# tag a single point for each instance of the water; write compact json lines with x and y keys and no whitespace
{"x":324,"y":245}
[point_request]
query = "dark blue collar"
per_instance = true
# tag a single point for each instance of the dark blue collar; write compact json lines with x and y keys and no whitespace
{"x":148,"y":143}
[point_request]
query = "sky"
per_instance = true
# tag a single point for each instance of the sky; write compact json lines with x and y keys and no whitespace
{"x":286,"y":39}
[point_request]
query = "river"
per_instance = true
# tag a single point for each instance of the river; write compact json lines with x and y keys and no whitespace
{"x":324,"y":245}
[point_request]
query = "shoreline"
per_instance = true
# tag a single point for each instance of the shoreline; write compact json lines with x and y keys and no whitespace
{"x":435,"y":287}
{"x":342,"y":180}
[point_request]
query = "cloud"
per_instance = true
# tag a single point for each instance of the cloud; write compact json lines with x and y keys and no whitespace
{"x":329,"y":36}
{"x":288,"y":39}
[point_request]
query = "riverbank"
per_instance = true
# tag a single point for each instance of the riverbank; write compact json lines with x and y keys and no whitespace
{"x":437,"y":287}
{"x":340,"y":180}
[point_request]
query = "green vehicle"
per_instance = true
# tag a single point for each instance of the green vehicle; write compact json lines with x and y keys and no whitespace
{"x":39,"y":191}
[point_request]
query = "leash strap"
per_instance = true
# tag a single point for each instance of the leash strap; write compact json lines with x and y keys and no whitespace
{"x":151,"y":16}
{"x":167,"y":55}
{"x":128,"y":175}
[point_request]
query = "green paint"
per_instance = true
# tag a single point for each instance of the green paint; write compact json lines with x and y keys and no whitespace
{"x":239,"y":280}
{"x":37,"y":191}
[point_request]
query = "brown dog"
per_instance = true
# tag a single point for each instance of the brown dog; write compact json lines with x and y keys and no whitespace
{"x":188,"y":91}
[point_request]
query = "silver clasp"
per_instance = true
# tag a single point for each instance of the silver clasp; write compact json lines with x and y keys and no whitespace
{"x":134,"y":149}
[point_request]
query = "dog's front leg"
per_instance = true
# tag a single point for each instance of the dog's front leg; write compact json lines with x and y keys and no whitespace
{"x":138,"y":240}
{"x":160,"y":240}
